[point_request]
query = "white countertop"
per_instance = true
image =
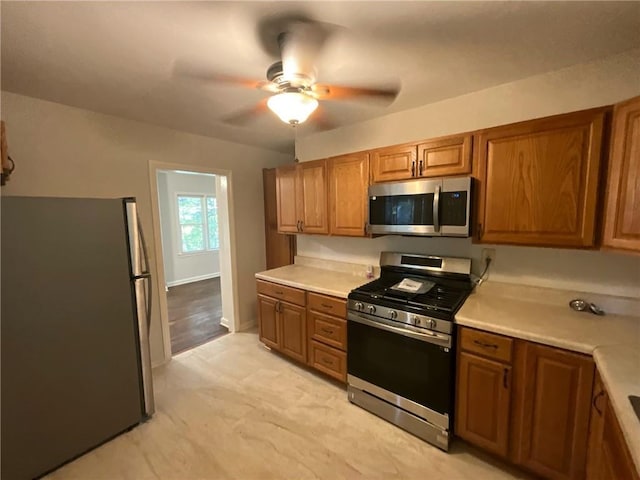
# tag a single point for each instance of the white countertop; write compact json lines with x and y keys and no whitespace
{"x":543,"y":315}
{"x":313,"y":279}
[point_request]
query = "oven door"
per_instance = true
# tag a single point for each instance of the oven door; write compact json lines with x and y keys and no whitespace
{"x":410,"y":369}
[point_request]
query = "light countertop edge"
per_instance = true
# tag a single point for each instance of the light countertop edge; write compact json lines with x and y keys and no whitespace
{"x":514,"y":332}
{"x":312,"y":279}
{"x":619,"y":368}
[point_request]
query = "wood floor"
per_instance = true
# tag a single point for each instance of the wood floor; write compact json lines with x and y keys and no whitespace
{"x":230,"y":409}
{"x":195,"y":310}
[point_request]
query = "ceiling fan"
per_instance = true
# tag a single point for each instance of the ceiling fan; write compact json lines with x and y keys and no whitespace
{"x":292,"y":80}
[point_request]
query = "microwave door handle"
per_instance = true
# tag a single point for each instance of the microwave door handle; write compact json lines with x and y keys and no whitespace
{"x":436,"y":209}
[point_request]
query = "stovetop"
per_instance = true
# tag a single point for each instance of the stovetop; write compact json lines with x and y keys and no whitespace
{"x":443,"y":300}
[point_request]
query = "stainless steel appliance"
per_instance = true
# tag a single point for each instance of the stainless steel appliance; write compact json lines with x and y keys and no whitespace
{"x":431,"y":207}
{"x":75,"y":329}
{"x":401,"y":342}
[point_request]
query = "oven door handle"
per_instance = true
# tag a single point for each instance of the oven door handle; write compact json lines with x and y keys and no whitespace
{"x":429,"y":337}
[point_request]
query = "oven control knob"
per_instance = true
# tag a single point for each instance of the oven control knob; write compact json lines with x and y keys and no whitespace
{"x":393,"y":314}
{"x":359,"y":306}
{"x":371,"y":309}
{"x":415,"y":320}
{"x":431,"y":323}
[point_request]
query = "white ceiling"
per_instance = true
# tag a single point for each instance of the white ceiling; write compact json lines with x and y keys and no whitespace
{"x":118,"y":57}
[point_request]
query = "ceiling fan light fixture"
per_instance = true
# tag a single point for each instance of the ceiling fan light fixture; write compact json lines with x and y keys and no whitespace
{"x":292,"y":107}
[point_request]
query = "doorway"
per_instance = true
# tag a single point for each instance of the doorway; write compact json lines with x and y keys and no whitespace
{"x":191,"y":253}
{"x":192,"y":224}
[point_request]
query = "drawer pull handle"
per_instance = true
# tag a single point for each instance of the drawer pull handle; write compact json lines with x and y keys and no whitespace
{"x":485,"y":345}
{"x":325,"y":305}
{"x":328,"y":331}
{"x":595,"y":402}
{"x":279,"y":292}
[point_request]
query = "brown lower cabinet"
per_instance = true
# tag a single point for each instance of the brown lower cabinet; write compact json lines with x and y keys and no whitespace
{"x":528,"y":403}
{"x":551,"y":400}
{"x":483,"y":403}
{"x":282,"y":319}
{"x":305,"y":326}
{"x":327,"y":327}
{"x":608,"y":455}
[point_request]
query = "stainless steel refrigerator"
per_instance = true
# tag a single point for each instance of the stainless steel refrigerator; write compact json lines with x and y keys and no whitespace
{"x":76,"y":303}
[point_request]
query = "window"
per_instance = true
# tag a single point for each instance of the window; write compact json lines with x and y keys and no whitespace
{"x":198,"y":219}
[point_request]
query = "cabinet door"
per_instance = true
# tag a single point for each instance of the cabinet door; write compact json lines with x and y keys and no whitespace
{"x":622,"y":220}
{"x":268,"y":321}
{"x":280,"y":249}
{"x":596,"y":425}
{"x":314,"y":208}
{"x":482,"y":406}
{"x":445,"y":156}
{"x":393,"y":163}
{"x":551,"y":420}
{"x":616,"y":461}
{"x":348,"y":184}
{"x":538,"y":180}
{"x":293,"y":328}
{"x":287,"y":190}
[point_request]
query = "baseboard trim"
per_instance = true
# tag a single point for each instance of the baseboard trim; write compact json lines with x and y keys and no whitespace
{"x":198,"y":278}
{"x":247,"y":326}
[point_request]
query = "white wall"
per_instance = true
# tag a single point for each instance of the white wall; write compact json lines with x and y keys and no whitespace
{"x":63,"y":151}
{"x":584,"y":86}
{"x":182,"y":268}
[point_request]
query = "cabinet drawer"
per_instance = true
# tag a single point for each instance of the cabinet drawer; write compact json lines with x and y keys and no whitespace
{"x":327,"y":329}
{"x":288,"y":294}
{"x":328,"y":360}
{"x":486,"y":344}
{"x":330,"y":305}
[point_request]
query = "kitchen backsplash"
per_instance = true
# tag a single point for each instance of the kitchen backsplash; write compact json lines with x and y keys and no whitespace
{"x":339,"y":266}
{"x":578,"y":270}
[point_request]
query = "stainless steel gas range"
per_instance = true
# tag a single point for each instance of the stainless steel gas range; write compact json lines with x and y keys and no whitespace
{"x":401,"y":342}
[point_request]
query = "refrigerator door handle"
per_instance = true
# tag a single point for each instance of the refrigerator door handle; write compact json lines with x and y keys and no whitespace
{"x":145,"y":273}
{"x":141,"y":290}
{"x":141,"y":279}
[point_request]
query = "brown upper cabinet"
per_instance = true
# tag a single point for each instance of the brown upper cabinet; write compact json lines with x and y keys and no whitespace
{"x":287,"y":186}
{"x":445,"y":156}
{"x":348,"y":183}
{"x":538,"y":180}
{"x":431,"y":158}
{"x":622,"y":218}
{"x":394,"y":163}
{"x":302,"y":198}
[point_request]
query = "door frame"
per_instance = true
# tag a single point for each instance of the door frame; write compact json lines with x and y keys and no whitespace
{"x":228,"y":265}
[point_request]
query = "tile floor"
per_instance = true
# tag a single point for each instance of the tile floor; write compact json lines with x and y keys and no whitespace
{"x":232,"y":409}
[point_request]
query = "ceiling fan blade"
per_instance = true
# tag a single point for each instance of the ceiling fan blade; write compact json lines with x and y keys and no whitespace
{"x":335,"y":92}
{"x":244,"y":116}
{"x":191,"y":72}
{"x":320,"y":120}
{"x":300,"y":46}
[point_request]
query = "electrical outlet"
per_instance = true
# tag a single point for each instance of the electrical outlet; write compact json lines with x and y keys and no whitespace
{"x":488,"y":253}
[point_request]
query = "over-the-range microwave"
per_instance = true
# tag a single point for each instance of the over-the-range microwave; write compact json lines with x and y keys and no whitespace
{"x":431,"y":207}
